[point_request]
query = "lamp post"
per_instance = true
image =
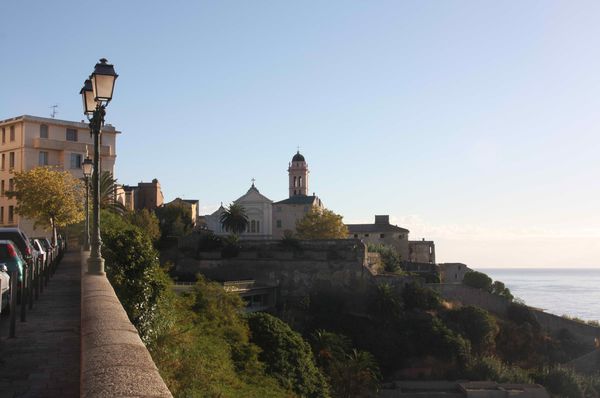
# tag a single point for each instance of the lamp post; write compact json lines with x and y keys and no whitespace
{"x":96,"y":93}
{"x":88,"y":168}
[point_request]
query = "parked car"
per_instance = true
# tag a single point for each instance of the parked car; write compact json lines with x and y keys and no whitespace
{"x":21,"y":240}
{"x":11,"y":257}
{"x":50,"y":251}
{"x":43,"y":255}
{"x":4,"y":286}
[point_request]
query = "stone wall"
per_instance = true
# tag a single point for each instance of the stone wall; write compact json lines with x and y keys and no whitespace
{"x":114,"y":360}
{"x":338,"y":264}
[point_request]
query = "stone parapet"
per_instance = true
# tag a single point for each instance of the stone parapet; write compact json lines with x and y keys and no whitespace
{"x":114,"y":360}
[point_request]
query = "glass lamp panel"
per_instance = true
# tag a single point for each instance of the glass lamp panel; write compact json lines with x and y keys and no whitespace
{"x":87,"y":167}
{"x":89,"y":102}
{"x":103,"y":86}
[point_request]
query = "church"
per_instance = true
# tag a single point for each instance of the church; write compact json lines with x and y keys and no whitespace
{"x":268,"y":220}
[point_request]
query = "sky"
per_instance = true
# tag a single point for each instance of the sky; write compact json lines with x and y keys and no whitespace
{"x":471,"y":123}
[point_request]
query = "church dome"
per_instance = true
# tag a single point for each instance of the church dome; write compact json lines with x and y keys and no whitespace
{"x":298,"y":158}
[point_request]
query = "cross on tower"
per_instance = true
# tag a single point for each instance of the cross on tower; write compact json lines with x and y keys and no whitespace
{"x":253,"y":180}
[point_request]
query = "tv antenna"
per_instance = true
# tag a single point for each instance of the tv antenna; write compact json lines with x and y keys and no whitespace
{"x":54,"y":111}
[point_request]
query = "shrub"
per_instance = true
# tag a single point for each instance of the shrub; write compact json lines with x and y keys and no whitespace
{"x":287,"y":356}
{"x":389,"y":257}
{"x":493,"y":369}
{"x":415,"y":296}
{"x":208,"y":241}
{"x":478,"y":280}
{"x":477,"y":325}
{"x":561,"y":382}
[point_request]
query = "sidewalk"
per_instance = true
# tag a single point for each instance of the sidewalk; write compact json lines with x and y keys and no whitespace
{"x":44,"y":359}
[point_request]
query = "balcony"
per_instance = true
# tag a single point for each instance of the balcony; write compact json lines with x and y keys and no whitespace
{"x":71,"y":146}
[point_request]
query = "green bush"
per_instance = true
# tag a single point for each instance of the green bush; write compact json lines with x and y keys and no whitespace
{"x":493,"y":369}
{"x":134,"y":271}
{"x":478,"y":280}
{"x":231,"y":247}
{"x":287,"y":356}
{"x":561,"y":382}
{"x":208,"y":241}
{"x":416,"y":296}
{"x":390,"y":258}
{"x":477,"y":325}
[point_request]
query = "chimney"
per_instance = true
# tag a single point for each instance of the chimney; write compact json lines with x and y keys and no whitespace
{"x":382,"y":220}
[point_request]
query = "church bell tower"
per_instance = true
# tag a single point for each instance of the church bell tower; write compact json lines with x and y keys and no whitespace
{"x":298,"y":173}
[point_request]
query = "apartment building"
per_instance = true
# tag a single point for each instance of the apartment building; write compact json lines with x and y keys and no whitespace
{"x":30,"y":141}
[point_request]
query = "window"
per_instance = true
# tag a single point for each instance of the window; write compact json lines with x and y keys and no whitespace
{"x":366,"y":235}
{"x":43,"y":131}
{"x":12,"y":133}
{"x":252,"y":226}
{"x":11,"y":213}
{"x":257,"y":226}
{"x":71,"y":134}
{"x":2,"y":188}
{"x":278,"y":223}
{"x":356,"y":235}
{"x":76,"y":160}
{"x":3,"y":161}
{"x":11,"y":184}
{"x":11,"y":160}
{"x":1,"y":214}
{"x":300,"y":181}
{"x":43,"y":159}
{"x":295,"y":182}
{"x":382,"y":236}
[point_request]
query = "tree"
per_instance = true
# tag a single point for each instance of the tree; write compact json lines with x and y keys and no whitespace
{"x":50,"y":197}
{"x":321,"y":224}
{"x":287,"y":356}
{"x":147,"y":221}
{"x":478,"y":280}
{"x":234,"y":219}
{"x":351,"y":373}
{"x":175,"y":219}
{"x":108,"y":193}
{"x":476,"y":324}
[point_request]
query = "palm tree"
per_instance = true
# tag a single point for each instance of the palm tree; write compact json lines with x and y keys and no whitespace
{"x":108,"y":193}
{"x":234,"y":219}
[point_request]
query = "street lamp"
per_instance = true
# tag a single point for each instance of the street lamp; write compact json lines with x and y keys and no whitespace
{"x":96,"y":93}
{"x":88,"y":168}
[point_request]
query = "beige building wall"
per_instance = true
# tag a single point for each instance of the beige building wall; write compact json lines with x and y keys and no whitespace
{"x":285,"y":215}
{"x":28,"y":141}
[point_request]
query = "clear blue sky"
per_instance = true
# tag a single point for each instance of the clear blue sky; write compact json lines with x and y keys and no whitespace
{"x":473,"y":123}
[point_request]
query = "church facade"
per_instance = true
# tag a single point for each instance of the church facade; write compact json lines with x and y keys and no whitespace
{"x":268,"y":220}
{"x":259,"y":211}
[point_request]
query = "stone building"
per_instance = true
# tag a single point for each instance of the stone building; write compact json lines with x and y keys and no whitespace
{"x":288,"y":211}
{"x":452,"y":272}
{"x":146,"y":195}
{"x":421,"y":251}
{"x":28,"y":141}
{"x":258,"y":209}
{"x":191,"y":204}
{"x":382,"y":232}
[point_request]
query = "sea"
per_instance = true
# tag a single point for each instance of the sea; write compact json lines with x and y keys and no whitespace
{"x":565,"y":291}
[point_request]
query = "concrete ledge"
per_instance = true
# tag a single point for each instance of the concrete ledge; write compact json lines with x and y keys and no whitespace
{"x":114,"y":360}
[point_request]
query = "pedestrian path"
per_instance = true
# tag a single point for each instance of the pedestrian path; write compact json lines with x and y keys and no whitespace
{"x":43,"y":360}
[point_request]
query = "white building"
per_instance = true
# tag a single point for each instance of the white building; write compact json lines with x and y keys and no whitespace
{"x":259,"y":211}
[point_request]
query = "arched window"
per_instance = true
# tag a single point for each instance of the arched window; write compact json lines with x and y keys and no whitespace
{"x":299,"y":181}
{"x":252,"y":226}
{"x":257,"y":226}
{"x":295,"y":182}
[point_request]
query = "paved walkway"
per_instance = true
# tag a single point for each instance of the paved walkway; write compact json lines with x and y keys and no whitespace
{"x":43,"y":360}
